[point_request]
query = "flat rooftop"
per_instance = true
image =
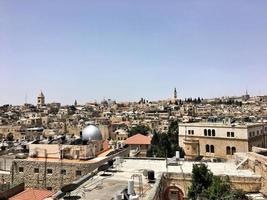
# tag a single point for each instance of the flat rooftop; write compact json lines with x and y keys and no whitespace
{"x":220,"y":124}
{"x":102,"y":187}
{"x":100,"y":157}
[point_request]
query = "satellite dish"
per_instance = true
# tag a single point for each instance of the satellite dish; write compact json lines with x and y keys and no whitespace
{"x":69,"y":188}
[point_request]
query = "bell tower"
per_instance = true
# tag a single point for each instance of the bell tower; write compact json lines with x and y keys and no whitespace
{"x":175,"y":93}
{"x":40,"y":100}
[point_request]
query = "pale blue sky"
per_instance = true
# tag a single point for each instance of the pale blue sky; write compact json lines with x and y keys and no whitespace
{"x":125,"y":49}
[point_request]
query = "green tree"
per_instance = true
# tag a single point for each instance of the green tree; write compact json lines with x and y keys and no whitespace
{"x":210,"y":187}
{"x":155,"y":139}
{"x":10,"y":137}
{"x":201,"y":181}
{"x":237,"y":195}
{"x":144,"y":130}
{"x":220,"y":188}
{"x":165,"y":144}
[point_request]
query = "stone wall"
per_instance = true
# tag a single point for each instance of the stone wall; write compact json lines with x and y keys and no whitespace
{"x":219,"y":144}
{"x":256,"y":163}
{"x":55,"y":180}
{"x":183,"y":182}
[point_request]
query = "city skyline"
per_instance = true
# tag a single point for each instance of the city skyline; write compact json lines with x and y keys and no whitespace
{"x":127,"y":50}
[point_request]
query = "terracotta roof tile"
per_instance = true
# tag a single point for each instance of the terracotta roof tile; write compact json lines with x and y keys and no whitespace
{"x":138,"y":139}
{"x":32,"y":194}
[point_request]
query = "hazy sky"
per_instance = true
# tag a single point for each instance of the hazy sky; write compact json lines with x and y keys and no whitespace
{"x":128,"y":49}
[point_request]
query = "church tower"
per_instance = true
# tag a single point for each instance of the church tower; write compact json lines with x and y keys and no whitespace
{"x":40,"y":100}
{"x":175,"y":94}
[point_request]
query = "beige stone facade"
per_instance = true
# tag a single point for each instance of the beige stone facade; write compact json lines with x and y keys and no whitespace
{"x":52,"y":174}
{"x":220,"y":140}
{"x":256,"y":161}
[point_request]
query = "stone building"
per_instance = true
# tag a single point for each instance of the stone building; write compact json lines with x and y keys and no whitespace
{"x":139,"y":144}
{"x":220,"y":140}
{"x":255,"y":161}
{"x":40,"y":100}
{"x":51,"y":166}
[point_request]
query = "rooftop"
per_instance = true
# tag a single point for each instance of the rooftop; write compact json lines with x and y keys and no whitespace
{"x":138,"y":139}
{"x":100,"y":157}
{"x":33,"y":194}
{"x":221,"y":124}
{"x":102,"y":187}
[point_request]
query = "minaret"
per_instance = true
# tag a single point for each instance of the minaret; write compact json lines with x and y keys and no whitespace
{"x":175,"y":94}
{"x":40,"y":100}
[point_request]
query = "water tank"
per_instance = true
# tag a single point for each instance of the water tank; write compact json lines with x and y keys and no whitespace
{"x":130,"y":186}
{"x":151,"y":175}
{"x":134,"y":197}
{"x":177,"y":155}
{"x":118,"y":160}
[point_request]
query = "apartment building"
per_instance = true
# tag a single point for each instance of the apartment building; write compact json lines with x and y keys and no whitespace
{"x":221,"y":140}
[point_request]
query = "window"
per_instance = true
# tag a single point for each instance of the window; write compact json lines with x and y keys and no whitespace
{"x":78,"y":173}
{"x":232,"y":134}
{"x":36,"y":170}
{"x":205,"y":132}
{"x":191,"y":132}
{"x":49,"y":188}
{"x":207,"y":148}
{"x":21,"y":169}
{"x":212,"y":149}
{"x":63,"y":172}
{"x":233,"y":150}
{"x":228,"y":150}
{"x":49,"y":171}
{"x":258,"y":132}
{"x":209,"y":132}
{"x":213,"y":132}
{"x":228,"y":134}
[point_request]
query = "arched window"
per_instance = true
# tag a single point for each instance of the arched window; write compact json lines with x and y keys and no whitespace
{"x":205,"y":132}
{"x":209,"y":132}
{"x":212,"y":149}
{"x":213,"y":132}
{"x":228,"y":150}
{"x":207,"y":148}
{"x":233,"y":150}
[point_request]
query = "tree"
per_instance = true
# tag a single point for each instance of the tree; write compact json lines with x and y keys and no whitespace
{"x":155,"y":139}
{"x":10,"y":137}
{"x":237,"y":195}
{"x":220,"y":188}
{"x":210,"y":187}
{"x":139,"y":129}
{"x":201,"y":181}
{"x":165,"y":144}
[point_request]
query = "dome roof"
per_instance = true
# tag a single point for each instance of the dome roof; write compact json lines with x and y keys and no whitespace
{"x":91,"y":132}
